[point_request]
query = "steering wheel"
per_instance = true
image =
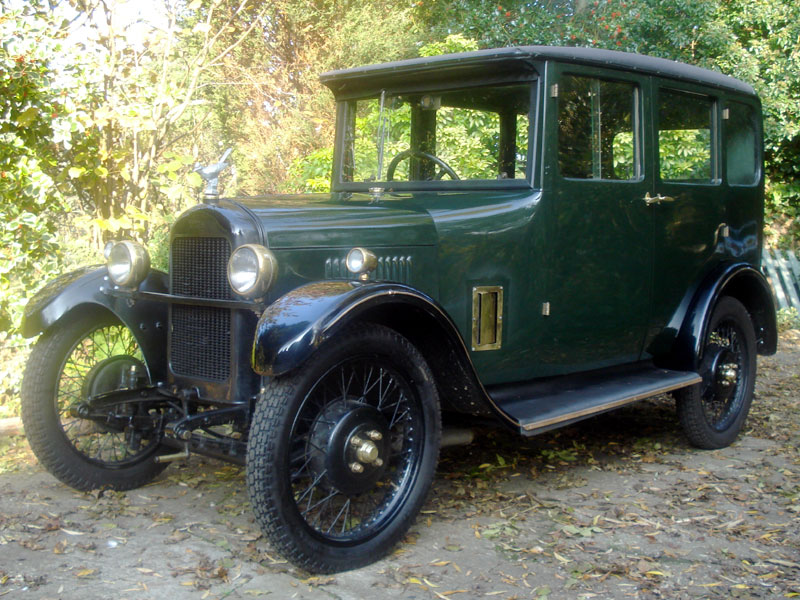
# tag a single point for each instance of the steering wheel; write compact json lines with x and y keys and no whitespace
{"x":445,"y":168}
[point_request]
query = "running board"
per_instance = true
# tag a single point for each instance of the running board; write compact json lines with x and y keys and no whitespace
{"x":557,"y":401}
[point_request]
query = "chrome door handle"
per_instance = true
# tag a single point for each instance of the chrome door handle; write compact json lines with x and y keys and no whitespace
{"x":648,"y":199}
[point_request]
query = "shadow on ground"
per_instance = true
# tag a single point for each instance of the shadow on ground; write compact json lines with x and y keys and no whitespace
{"x":615,"y":507}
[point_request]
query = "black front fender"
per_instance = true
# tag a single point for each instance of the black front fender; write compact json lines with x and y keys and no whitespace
{"x":293,"y":326}
{"x":88,"y":288}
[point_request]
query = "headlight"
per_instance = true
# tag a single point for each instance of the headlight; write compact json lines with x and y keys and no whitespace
{"x":251,"y":270}
{"x":127,"y":263}
{"x":360,"y":261}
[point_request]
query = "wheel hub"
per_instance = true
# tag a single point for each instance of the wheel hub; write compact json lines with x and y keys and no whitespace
{"x":725,"y":374}
{"x":348,"y":446}
{"x":109,"y":375}
{"x":112,"y":374}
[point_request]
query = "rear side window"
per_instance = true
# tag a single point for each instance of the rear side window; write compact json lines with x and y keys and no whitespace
{"x":741,"y":131}
{"x":684,"y":137}
{"x":596,"y":129}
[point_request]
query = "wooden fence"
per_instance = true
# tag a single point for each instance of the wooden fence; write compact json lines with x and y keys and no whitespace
{"x":782,"y":269}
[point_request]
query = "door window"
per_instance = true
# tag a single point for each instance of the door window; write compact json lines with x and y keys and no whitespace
{"x":684,"y":137}
{"x":741,"y":132}
{"x":596,"y":131}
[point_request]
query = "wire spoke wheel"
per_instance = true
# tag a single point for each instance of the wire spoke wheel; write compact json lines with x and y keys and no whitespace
{"x":101,"y":362}
{"x":725,"y":364}
{"x":342,"y":453}
{"x":354,"y":445}
{"x":87,"y":448}
{"x":713,"y":412}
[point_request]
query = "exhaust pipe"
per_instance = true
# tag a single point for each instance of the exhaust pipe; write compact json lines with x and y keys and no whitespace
{"x":457,"y":436}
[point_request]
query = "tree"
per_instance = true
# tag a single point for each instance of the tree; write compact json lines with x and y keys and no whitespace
{"x":753,"y":40}
{"x":36,"y":123}
{"x":268,"y":101}
{"x":145,"y":105}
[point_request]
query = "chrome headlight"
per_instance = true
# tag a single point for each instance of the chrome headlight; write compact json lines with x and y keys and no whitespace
{"x":251,"y":270}
{"x":128,"y":263}
{"x":360,"y":261}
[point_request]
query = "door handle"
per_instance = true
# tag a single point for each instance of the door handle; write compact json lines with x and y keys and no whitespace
{"x":648,"y":199}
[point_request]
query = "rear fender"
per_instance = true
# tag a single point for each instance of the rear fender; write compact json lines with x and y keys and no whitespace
{"x":740,"y":281}
{"x":88,"y":289}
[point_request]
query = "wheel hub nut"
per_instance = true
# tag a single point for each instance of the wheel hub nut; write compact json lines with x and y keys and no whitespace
{"x":375,"y":435}
{"x":728,"y":373}
{"x":367,"y":452}
{"x":356,"y":467}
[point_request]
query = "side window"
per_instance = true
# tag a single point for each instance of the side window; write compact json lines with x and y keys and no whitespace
{"x":596,"y":129}
{"x":684,"y":137}
{"x":741,"y":131}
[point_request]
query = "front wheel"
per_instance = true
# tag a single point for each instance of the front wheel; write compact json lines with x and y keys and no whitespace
{"x":713,"y":412}
{"x":341,"y":455}
{"x":73,"y":361}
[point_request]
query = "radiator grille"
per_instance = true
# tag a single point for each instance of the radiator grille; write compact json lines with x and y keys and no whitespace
{"x":200,"y":336}
{"x":200,"y":267}
{"x":201,"y":342}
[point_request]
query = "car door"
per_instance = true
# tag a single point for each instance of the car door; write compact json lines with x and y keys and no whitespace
{"x":688,"y":198}
{"x":600,"y":251}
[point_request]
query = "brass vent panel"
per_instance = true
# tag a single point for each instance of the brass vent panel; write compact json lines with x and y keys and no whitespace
{"x":487,"y":317}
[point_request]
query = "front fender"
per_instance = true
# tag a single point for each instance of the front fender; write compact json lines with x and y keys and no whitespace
{"x":293,"y":326}
{"x":88,"y":289}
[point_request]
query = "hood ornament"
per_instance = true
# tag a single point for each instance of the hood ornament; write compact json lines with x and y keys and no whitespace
{"x":210,"y":174}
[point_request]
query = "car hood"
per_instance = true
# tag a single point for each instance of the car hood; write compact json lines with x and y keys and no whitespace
{"x":328,"y":220}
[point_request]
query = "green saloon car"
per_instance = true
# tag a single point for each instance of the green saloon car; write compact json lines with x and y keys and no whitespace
{"x":532,"y":235}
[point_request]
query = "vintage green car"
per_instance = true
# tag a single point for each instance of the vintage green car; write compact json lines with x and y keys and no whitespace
{"x":529,"y":235}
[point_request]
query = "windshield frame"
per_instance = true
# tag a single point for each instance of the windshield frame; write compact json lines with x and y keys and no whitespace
{"x":526,"y":182}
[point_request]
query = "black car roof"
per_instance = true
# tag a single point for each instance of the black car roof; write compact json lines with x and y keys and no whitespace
{"x":515,"y":63}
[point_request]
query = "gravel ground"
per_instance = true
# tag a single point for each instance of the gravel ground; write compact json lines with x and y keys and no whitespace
{"x":616,"y":507}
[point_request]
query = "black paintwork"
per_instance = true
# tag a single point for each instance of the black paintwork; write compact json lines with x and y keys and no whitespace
{"x":553,"y":402}
{"x":90,"y":289}
{"x":741,"y":281}
{"x":293,"y":326}
{"x":497,"y":64}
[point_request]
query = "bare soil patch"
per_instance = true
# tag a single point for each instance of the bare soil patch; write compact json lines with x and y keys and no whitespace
{"x":616,"y":507}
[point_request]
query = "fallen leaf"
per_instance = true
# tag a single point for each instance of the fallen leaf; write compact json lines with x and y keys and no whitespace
{"x":85,"y":572}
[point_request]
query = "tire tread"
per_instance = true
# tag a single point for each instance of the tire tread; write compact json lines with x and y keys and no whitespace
{"x":270,"y":414}
{"x":41,"y":423}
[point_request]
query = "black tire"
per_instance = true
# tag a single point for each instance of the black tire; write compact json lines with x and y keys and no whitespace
{"x":713,"y":412}
{"x":368,"y":383}
{"x":75,"y":355}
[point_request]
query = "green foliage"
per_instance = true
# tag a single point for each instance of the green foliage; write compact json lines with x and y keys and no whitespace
{"x":684,"y":154}
{"x":754,"y":40}
{"x":273,"y":109}
{"x":766,"y":34}
{"x":455,"y":42}
{"x":312,"y":173}
{"x":35,"y":122}
{"x":788,"y":318}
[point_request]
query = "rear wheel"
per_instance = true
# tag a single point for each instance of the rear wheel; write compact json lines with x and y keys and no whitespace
{"x":713,"y":412}
{"x":73,"y":361}
{"x":341,"y":455}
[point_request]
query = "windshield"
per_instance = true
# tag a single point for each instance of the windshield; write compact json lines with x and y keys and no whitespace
{"x":470,"y":134}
